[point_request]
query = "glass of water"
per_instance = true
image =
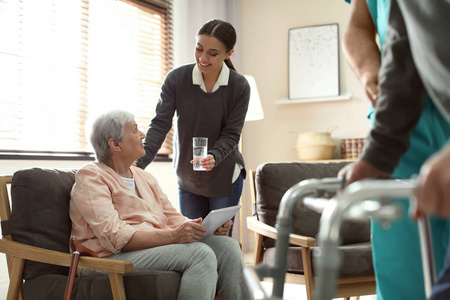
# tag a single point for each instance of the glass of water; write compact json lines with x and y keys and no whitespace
{"x":200,"y":150}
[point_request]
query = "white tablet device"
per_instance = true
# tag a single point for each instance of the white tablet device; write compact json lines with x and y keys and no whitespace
{"x":217,"y":218}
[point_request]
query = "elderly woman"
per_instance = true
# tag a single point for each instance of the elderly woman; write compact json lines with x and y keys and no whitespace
{"x":119,"y":211}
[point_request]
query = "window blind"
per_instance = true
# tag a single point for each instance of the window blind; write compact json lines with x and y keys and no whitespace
{"x":66,"y":62}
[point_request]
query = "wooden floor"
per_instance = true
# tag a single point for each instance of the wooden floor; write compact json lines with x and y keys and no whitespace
{"x":298,"y":292}
{"x":291,"y":291}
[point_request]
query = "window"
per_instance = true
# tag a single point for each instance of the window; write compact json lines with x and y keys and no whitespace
{"x":65,"y":62}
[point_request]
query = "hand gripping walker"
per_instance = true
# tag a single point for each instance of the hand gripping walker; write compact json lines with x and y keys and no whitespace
{"x":350,"y":204}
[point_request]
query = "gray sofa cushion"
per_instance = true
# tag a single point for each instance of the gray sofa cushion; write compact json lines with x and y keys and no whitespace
{"x":40,"y":213}
{"x":356,"y":259}
{"x":272,"y":180}
{"x":151,"y":285}
{"x":40,"y":217}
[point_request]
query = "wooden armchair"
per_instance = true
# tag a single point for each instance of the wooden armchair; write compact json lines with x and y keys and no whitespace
{"x":267,"y":186}
{"x":35,"y":240}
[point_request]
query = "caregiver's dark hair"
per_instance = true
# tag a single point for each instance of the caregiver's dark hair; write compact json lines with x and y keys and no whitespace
{"x":224,"y":32}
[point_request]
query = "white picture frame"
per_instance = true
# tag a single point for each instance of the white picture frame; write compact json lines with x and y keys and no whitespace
{"x":314,"y":62}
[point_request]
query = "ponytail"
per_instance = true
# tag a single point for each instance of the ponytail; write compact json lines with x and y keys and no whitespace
{"x":230,"y":64}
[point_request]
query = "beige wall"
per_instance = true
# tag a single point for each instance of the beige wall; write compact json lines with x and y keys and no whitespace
{"x":264,"y":47}
{"x":264,"y":50}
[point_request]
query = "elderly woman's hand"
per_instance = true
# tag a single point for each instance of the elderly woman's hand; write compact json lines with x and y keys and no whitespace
{"x":224,"y":229}
{"x":189,"y":231}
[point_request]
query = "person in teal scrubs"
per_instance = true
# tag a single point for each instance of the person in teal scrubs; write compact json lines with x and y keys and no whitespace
{"x":396,"y":249}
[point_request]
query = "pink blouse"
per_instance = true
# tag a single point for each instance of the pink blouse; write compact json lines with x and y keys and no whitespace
{"x":105,"y":213}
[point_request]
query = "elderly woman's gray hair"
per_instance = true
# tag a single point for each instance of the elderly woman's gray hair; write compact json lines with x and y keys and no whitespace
{"x":108,"y":125}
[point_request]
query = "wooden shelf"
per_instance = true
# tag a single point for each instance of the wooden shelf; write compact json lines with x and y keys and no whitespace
{"x":342,"y":97}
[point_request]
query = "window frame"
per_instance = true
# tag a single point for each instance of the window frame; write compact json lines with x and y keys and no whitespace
{"x":60,"y":155}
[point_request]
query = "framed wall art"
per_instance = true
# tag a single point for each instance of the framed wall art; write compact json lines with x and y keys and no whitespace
{"x":314,"y":61}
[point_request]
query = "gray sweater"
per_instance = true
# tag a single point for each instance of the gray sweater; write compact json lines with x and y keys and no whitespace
{"x":416,"y":60}
{"x":219,"y":116}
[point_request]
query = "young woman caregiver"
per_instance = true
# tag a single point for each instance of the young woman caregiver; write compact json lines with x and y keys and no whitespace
{"x":210,"y":100}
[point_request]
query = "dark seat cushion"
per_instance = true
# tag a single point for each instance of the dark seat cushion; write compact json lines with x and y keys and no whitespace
{"x":152,"y":285}
{"x":40,"y":217}
{"x":356,"y":259}
{"x":272,"y":180}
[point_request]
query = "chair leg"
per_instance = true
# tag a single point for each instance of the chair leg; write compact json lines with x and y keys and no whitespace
{"x":307,"y":271}
{"x":117,"y":286}
{"x":258,"y":254}
{"x":15,"y":277}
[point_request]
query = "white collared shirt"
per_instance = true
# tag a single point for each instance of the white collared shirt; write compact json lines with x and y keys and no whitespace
{"x":197,"y":78}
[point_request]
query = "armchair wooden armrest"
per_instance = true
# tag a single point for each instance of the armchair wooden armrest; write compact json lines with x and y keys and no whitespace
{"x":24,"y":251}
{"x":261,"y":229}
{"x":17,"y":253}
{"x":266,"y":230}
